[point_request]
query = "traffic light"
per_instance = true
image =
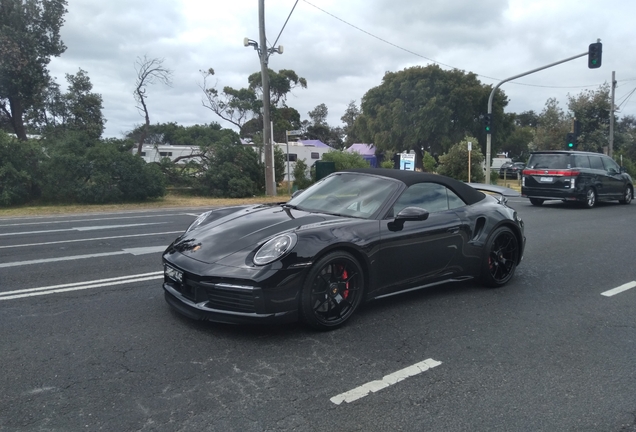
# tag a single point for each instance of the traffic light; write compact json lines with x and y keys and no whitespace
{"x":488,"y":123}
{"x":594,"y":55}
{"x":570,"y":141}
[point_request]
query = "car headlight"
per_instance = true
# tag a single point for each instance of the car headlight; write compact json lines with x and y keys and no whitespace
{"x":198,"y":220}
{"x":275,"y":248}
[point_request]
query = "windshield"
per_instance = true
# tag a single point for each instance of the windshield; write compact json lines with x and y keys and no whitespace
{"x":346,"y":194}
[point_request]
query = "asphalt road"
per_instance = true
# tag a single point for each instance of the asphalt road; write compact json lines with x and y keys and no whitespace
{"x":87,"y":342}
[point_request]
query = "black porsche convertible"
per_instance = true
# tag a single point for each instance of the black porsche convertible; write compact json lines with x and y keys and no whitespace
{"x":354,"y":236}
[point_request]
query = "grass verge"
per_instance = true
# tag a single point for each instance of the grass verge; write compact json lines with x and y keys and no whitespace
{"x":168,"y":201}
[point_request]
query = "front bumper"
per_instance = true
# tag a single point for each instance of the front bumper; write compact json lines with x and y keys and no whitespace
{"x":234,"y":295}
{"x":201,"y":311}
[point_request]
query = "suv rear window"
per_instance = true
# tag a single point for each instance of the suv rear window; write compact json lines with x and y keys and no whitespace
{"x":549,"y":161}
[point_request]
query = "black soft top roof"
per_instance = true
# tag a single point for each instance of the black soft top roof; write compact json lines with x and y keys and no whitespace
{"x":467,"y":193}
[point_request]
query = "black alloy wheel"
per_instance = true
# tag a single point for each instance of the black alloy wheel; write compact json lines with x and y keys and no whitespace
{"x":627,"y":197}
{"x":500,"y":260}
{"x":536,"y":201}
{"x":332,"y":291}
{"x":590,"y":198}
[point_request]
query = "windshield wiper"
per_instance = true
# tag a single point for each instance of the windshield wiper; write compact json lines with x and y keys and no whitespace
{"x":290,"y":206}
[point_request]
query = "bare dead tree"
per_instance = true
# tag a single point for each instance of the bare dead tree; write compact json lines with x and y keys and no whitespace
{"x":234,"y":106}
{"x":149,"y":71}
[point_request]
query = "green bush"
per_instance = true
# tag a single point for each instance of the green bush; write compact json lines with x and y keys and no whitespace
{"x":231,"y":171}
{"x":301,"y":181}
{"x":387,"y":164}
{"x":455,"y":163}
{"x":345,"y":160}
{"x":19,"y":170}
{"x":97,"y":172}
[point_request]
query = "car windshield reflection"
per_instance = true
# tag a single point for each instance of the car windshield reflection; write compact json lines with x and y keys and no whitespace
{"x":344,"y":194}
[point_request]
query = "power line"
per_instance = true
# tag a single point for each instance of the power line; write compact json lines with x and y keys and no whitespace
{"x":438,"y":62}
{"x":626,"y":98}
{"x":281,"y":30}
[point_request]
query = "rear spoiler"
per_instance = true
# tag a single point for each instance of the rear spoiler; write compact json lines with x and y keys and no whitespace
{"x":504,"y":191}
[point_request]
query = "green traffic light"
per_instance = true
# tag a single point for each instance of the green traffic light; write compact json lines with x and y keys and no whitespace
{"x":570,"y":145}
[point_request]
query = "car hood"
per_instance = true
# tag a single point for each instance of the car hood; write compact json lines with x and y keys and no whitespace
{"x":240,"y":229}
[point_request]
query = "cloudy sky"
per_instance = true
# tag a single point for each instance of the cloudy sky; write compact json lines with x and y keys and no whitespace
{"x":343,"y":48}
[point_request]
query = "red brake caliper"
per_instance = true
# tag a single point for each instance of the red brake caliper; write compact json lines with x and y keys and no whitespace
{"x":345,"y":294}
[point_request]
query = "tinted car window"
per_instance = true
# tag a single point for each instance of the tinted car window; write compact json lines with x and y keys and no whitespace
{"x":610,"y":164}
{"x":549,"y":161}
{"x":453,"y":200}
{"x":581,"y":161}
{"x":596,"y":163}
{"x":432,"y":197}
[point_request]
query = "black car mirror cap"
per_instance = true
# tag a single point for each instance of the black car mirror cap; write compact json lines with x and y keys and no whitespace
{"x":412,"y":214}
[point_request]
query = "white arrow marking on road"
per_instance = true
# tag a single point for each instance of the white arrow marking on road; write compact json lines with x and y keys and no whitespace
{"x":133,"y":251}
{"x":374,"y":386}
{"x":54,"y":289}
{"x":619,"y":289}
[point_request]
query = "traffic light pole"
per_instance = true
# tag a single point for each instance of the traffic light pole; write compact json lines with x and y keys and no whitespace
{"x":492,"y":95}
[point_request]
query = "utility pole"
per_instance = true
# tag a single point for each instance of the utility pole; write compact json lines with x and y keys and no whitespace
{"x":268,"y":136}
{"x":611,"y":119}
{"x":270,"y":180}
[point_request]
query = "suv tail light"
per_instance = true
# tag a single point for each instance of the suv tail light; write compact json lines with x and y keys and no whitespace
{"x":553,"y":173}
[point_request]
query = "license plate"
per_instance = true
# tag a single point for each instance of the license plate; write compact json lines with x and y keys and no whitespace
{"x":173,"y":273}
{"x":545,"y":179}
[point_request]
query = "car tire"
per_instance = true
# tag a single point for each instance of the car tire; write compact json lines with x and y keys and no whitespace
{"x":500,"y":258}
{"x":590,"y":198}
{"x":332,"y":291}
{"x":627,"y":197}
{"x":536,"y":201}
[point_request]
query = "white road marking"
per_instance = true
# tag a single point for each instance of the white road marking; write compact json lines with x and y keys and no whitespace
{"x":89,"y":228}
{"x":91,"y":220}
{"x":374,"y":386}
{"x":619,"y":289}
{"x":91,"y":239}
{"x":133,"y":251}
{"x":54,"y":289}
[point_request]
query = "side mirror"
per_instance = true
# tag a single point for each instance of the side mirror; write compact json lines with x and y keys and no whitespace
{"x":407,"y":214}
{"x":412,"y":214}
{"x":298,"y":192}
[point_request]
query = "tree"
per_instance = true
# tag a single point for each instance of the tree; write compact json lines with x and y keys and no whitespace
{"x":552,"y":127}
{"x":19,"y":170}
{"x":518,"y":143}
{"x":29,"y":37}
{"x":455,"y":163}
{"x":625,"y":137}
{"x":427,"y":108}
{"x":349,"y":119}
{"x":592,"y":110}
{"x":242,"y":107}
{"x":230,"y":169}
{"x":148,"y":72}
{"x":79,"y":109}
